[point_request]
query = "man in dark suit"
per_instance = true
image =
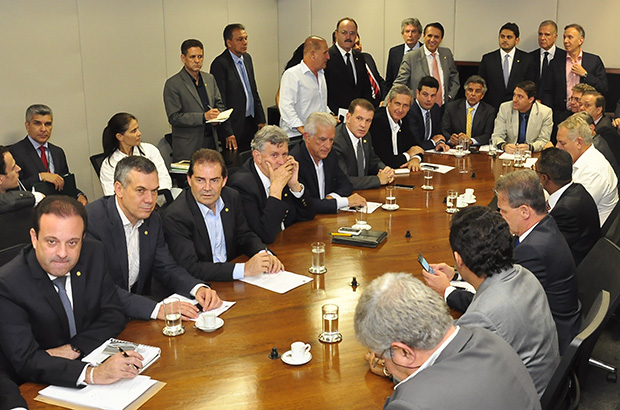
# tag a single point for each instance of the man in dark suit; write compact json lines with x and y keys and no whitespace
{"x":594,"y":104}
{"x":584,"y":68}
{"x":547,"y":51}
{"x":411,"y":30}
{"x":403,"y":321}
{"x":205,"y":226}
{"x":58,"y":303}
{"x":377,"y":83}
{"x":192,"y":98}
{"x":505,"y":67}
{"x":135,"y":248}
{"x":571,"y":206}
{"x":425,"y":117}
{"x":11,"y":200}
{"x":272,"y":197}
{"x":356,"y":155}
{"x":39,"y":159}
{"x":541,"y":248}
{"x":10,"y":396}
{"x":469,"y":118}
{"x":328,"y":187}
{"x":234,"y":72}
{"x":392,"y":138}
{"x":345,"y":73}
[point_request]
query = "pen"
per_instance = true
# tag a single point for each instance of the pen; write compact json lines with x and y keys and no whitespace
{"x":404,"y":186}
{"x":430,"y":166}
{"x":124,"y":353}
{"x":339,"y":234}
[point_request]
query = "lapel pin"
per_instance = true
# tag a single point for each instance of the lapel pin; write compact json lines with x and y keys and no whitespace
{"x":146,"y":232}
{"x":285,"y":194}
{"x":364,"y":141}
{"x":78,"y":273}
{"x":225,"y":209}
{"x":517,"y":61}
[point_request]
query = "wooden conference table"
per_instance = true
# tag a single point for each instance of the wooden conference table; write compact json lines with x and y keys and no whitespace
{"x":230,"y":368}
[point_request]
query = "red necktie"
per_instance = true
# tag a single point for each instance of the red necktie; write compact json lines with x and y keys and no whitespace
{"x":374,"y":87}
{"x":44,"y":158}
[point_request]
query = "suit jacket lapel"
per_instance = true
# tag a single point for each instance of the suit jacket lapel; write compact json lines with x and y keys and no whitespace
{"x":144,"y":238}
{"x":306,"y":157}
{"x":120,"y":242}
{"x":515,"y":124}
{"x":198,"y":220}
{"x":233,"y":67}
{"x":532,"y":121}
{"x":78,"y":290}
{"x":228,"y":223}
{"x":191,"y":88}
{"x":35,"y":155}
{"x":262,"y":197}
{"x":423,"y":62}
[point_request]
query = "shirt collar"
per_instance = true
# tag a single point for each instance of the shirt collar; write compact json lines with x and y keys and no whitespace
{"x":428,"y":53}
{"x":205,"y":210}
{"x":433,"y":358}
{"x":393,"y":125}
{"x":511,"y":53}
{"x":568,"y":57}
{"x":354,"y":139}
{"x":475,"y":107}
{"x":554,"y":197}
{"x":35,"y":144}
{"x":263,"y":178}
{"x":235,"y":58}
{"x":551,"y":51}
{"x":342,"y":52}
{"x":423,"y":110}
{"x":125,"y":221}
{"x":526,"y":233}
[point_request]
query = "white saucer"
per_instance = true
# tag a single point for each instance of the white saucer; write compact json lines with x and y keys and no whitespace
{"x":472,"y":201}
{"x":218,"y":323}
{"x":288,"y":359}
{"x":390,"y":207}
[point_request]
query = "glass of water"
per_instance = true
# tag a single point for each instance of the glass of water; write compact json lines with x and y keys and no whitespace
{"x":172,"y":313}
{"x":451,"y":201}
{"x":428,"y":180}
{"x":318,"y":258}
{"x":329,"y":316}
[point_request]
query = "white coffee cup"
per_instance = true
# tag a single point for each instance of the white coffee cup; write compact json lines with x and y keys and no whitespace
{"x":206,"y":320}
{"x":299,"y":351}
{"x":469,"y":194}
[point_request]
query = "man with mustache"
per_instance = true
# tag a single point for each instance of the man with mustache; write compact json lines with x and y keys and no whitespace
{"x":135,"y":248}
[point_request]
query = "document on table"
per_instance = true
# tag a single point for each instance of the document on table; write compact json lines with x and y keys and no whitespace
{"x":115,"y":396}
{"x":529,"y":163}
{"x":442,"y":169}
{"x":371,"y":207}
{"x":280,"y":282}
{"x":225,"y":305}
{"x":485,"y":148}
{"x":401,"y":171}
{"x":109,"y":348}
{"x":223,"y":116}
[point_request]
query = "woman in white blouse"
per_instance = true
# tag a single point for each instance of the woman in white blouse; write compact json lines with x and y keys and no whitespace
{"x":121,"y":138}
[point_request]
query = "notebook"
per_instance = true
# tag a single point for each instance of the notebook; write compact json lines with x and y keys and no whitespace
{"x":110,"y":347}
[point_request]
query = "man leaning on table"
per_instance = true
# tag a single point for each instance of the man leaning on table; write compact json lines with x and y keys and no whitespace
{"x":406,"y":323}
{"x":272,"y":197}
{"x":135,"y":248}
{"x":328,"y":186}
{"x":205,"y":226}
{"x":523,"y":123}
{"x":58,"y":303}
{"x":356,"y":155}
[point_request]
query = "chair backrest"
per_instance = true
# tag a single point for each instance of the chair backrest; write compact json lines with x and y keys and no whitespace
{"x":16,"y":227}
{"x":9,"y":253}
{"x":611,"y":227}
{"x":96,"y":161}
{"x":599,"y":270}
{"x":564,"y":384}
{"x":165,"y":149}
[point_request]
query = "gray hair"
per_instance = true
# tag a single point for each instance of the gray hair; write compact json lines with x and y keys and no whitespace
{"x":268,"y":134}
{"x":476,"y":79}
{"x":319,"y":119}
{"x":396,"y":307}
{"x":549,"y":23}
{"x":38,"y":109}
{"x":399,"y":89}
{"x":411,"y":21}
{"x":584,"y":115}
{"x":523,"y":188}
{"x":130,"y":163}
{"x":577,"y":127}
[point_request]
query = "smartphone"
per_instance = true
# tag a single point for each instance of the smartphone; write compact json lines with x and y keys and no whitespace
{"x":425,"y":264}
{"x":352,"y":231}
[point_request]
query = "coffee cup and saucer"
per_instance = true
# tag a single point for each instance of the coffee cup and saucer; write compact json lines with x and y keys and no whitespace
{"x":298,"y":355}
{"x":208,"y":322}
{"x":469,"y":196}
{"x":390,"y":207}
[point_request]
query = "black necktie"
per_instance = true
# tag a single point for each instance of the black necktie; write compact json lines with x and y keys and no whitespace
{"x":545,"y":64}
{"x":66,"y":304}
{"x":350,"y":66}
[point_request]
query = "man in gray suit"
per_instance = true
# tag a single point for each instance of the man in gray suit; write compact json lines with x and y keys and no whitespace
{"x":523,"y":122}
{"x":353,"y":144}
{"x":191,"y":98}
{"x":407,"y":324}
{"x":431,"y":60}
{"x":509,"y":300}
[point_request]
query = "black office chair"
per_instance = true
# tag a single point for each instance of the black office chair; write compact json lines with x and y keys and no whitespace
{"x":611,"y":227}
{"x":96,"y":161}
{"x":16,"y":227}
{"x":599,"y":270}
{"x":562,"y":392}
{"x":9,"y":253}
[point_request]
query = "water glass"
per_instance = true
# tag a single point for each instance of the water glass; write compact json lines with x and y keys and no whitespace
{"x":318,"y":258}
{"x":329,"y":316}
{"x":172,"y":313}
{"x":451,"y":201}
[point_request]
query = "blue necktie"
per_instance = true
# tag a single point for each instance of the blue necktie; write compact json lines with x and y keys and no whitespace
{"x":506,"y":71}
{"x":249,"y":105}
{"x":427,"y":125}
{"x":64,"y":299}
{"x":522,"y":129}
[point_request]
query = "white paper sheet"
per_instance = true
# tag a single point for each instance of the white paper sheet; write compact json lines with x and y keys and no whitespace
{"x":115,"y":396}
{"x":225,"y":305}
{"x":222,"y":116}
{"x":280,"y":282}
{"x":372,"y":207}
{"x":442,"y":169}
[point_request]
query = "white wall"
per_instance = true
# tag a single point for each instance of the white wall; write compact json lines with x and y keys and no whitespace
{"x":89,"y":59}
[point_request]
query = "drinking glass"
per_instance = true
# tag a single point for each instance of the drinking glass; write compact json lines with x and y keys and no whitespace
{"x":318,"y":258}
{"x":428,"y":180}
{"x":172,"y":313}
{"x":329,"y":316}
{"x":451,"y":201}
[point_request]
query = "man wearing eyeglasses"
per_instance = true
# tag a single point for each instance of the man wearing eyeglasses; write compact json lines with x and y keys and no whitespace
{"x":406,"y":323}
{"x":345,"y":73}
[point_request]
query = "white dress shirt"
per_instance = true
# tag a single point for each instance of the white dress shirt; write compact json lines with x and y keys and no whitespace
{"x":429,"y":60}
